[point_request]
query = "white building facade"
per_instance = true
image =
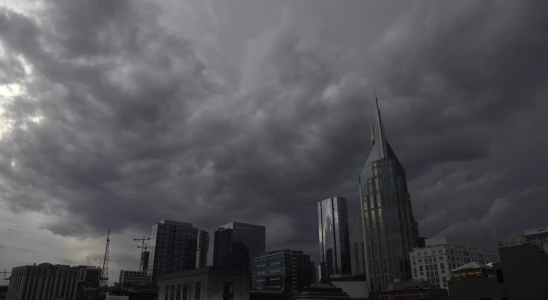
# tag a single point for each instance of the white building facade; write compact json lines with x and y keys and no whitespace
{"x":133,"y":277}
{"x":443,"y":254}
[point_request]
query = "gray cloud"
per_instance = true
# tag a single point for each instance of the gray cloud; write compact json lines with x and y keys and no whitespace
{"x":141,"y":123}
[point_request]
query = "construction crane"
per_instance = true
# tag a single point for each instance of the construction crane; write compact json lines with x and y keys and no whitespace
{"x":104,"y":274}
{"x":143,"y":248}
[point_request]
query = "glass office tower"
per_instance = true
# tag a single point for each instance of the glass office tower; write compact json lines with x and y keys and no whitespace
{"x":172,"y":248}
{"x":390,"y":229}
{"x":334,"y":237}
{"x":236,"y":244}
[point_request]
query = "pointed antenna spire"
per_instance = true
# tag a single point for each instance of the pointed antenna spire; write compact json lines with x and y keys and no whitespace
{"x":376,"y":100}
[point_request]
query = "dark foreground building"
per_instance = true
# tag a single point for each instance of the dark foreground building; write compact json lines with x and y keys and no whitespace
{"x":205,"y":283}
{"x":236,"y":244}
{"x":281,"y":270}
{"x":46,"y":281}
{"x":390,"y":229}
{"x":411,"y":290}
{"x":521,"y":274}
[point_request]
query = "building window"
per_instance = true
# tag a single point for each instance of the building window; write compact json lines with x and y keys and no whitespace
{"x":178,"y":295}
{"x":228,"y":291}
{"x":444,"y":279}
{"x":166,"y":292}
{"x":185,"y":291}
{"x":197,"y":287}
{"x":172,"y":294}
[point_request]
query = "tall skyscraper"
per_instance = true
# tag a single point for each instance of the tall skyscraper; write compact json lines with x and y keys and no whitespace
{"x":390,"y":229}
{"x":172,"y":248}
{"x":145,"y":255}
{"x":202,"y":249}
{"x":236,"y":244}
{"x":359,"y":247}
{"x":334,"y":237}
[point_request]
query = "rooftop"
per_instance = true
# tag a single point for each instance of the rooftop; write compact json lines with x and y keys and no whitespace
{"x":177,"y":223}
{"x":473,"y":265}
{"x":206,"y":270}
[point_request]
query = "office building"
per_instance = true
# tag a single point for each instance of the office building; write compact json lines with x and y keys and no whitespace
{"x":145,"y":255}
{"x":537,"y":237}
{"x":205,"y":283}
{"x":46,"y":281}
{"x":3,"y":289}
{"x":390,"y":229}
{"x":321,"y":291}
{"x":237,"y":244}
{"x":359,"y":248}
{"x":132,"y":278}
{"x":334,"y":237}
{"x":442,"y":254}
{"x":411,"y":290}
{"x":521,"y":274}
{"x":172,"y":248}
{"x":202,"y":248}
{"x":281,"y":270}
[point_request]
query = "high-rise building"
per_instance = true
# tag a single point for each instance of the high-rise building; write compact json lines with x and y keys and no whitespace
{"x":47,"y":281}
{"x":334,"y":237}
{"x":537,"y":237}
{"x":359,"y":247}
{"x":281,"y":270}
{"x":442,"y":254}
{"x":236,"y":244}
{"x":145,"y":255}
{"x":132,"y":278}
{"x":172,"y":248}
{"x":390,"y":229}
{"x":202,"y":249}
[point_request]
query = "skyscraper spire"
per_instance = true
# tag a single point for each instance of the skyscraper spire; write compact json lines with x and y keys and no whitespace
{"x":378,"y":130}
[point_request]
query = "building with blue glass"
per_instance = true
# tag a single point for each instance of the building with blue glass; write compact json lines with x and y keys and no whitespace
{"x":335,"y":257}
{"x":390,"y":229}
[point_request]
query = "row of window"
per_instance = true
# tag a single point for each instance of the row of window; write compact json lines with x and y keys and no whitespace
{"x":456,"y":252}
{"x":183,"y":292}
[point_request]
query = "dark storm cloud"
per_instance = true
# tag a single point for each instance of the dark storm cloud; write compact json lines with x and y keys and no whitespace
{"x":136,"y":127}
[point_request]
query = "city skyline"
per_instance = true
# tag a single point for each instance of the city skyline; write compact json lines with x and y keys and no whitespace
{"x":118,"y":114}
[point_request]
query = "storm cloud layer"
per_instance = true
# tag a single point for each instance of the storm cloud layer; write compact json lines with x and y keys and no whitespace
{"x":119,"y":114}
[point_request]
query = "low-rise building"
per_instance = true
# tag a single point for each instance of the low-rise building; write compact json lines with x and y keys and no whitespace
{"x":355,"y":286}
{"x":3,"y":288}
{"x":281,"y":270}
{"x":211,"y":283}
{"x":47,"y":281}
{"x":521,"y":274}
{"x":434,"y":262}
{"x":408,"y":290}
{"x":537,"y":237}
{"x":321,"y":291}
{"x":131,"y":278}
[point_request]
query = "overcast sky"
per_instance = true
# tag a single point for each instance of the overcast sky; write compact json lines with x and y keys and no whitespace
{"x":119,"y":114}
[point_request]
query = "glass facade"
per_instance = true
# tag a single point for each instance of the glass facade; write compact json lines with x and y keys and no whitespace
{"x":281,"y":270}
{"x":202,"y":249}
{"x":390,"y":229}
{"x":359,"y":247}
{"x":236,"y":244}
{"x":172,"y":248}
{"x":334,"y":237}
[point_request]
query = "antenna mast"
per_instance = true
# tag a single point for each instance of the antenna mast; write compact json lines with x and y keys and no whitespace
{"x":143,"y":248}
{"x":5,"y":272}
{"x":104,"y":275}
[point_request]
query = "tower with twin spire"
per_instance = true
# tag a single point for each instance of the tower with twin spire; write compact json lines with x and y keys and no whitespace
{"x":390,"y":230}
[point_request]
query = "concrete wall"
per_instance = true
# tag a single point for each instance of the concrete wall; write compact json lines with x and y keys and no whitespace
{"x":211,"y":286}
